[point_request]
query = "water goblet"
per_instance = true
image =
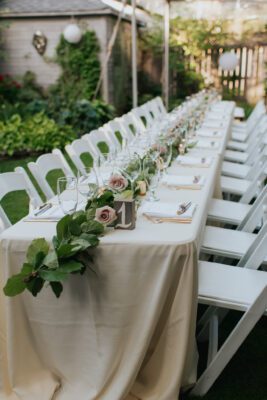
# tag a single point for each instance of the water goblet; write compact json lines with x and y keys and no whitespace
{"x":67,"y":194}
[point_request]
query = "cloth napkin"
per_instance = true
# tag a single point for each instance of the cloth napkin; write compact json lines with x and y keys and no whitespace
{"x":207,"y":132}
{"x":213,"y":124}
{"x":167,"y":210}
{"x":207,"y":144}
{"x":52,"y":214}
{"x":184,"y":181}
{"x":202,"y":162}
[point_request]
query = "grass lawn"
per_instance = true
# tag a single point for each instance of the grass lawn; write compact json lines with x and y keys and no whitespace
{"x":244,"y":378}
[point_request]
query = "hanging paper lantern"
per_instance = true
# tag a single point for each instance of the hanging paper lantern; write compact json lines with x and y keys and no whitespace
{"x":228,"y":61}
{"x":72,"y":33}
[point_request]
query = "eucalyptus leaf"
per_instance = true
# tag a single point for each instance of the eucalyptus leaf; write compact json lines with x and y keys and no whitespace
{"x":53,"y":275}
{"x":63,"y":228}
{"x":35,"y":285}
{"x":57,"y":288}
{"x":93,"y":227}
{"x":69,"y":266}
{"x":74,"y":227}
{"x":79,"y":217}
{"x":51,"y":260}
{"x":40,"y":246}
{"x":15,"y":285}
{"x":26,"y":269}
{"x":67,"y":250}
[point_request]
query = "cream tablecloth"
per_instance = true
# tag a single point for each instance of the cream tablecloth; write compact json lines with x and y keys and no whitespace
{"x":126,"y":331}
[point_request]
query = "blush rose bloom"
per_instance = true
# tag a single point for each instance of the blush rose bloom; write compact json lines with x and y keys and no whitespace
{"x":118,"y":183}
{"x":105,"y":215}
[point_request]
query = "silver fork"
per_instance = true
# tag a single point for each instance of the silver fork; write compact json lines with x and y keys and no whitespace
{"x":183,"y":208}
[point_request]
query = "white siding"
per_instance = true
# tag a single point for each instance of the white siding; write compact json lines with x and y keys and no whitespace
{"x":22,"y":56}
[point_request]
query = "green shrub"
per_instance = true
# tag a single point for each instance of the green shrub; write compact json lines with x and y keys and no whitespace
{"x":34,"y":134}
{"x":80,"y":67}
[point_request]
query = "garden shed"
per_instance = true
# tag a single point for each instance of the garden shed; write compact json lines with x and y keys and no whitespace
{"x":25,"y":18}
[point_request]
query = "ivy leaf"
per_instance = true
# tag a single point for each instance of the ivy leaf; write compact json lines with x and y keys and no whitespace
{"x":15,"y":285}
{"x":127,"y":194}
{"x":57,"y":288}
{"x":67,"y":250}
{"x":51,"y":260}
{"x":90,"y":214}
{"x":70,"y":266}
{"x":35,"y":285}
{"x":53,"y":275}
{"x":63,"y":228}
{"x":92,"y":227}
{"x":37,"y":250}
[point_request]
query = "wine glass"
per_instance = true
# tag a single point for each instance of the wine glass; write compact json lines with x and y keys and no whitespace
{"x":67,"y":194}
{"x":166,"y":156}
{"x":133,"y":169}
{"x":104,"y":166}
{"x":87,"y":181}
{"x":152,"y":176}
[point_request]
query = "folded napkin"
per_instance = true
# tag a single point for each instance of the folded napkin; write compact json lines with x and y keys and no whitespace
{"x":207,"y":144}
{"x":184,"y":181}
{"x":194,"y":161}
{"x":213,"y":124}
{"x":53,"y":214}
{"x":207,"y":132}
{"x":169,"y":211}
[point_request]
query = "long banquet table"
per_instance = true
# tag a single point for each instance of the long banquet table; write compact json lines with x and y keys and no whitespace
{"x":126,"y":332}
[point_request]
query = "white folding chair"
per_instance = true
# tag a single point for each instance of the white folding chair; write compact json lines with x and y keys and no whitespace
{"x":238,"y":214}
{"x":231,"y":288}
{"x":244,"y":187}
{"x":81,"y":154}
{"x":99,"y":141}
{"x":239,"y":288}
{"x":128,"y":122}
{"x":11,"y":182}
{"x":118,"y":130}
{"x":235,"y":243}
{"x":143,"y":116}
{"x":161,"y":106}
{"x":45,"y":164}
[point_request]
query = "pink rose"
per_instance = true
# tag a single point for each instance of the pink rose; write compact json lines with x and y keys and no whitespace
{"x":118,"y":183}
{"x":158,"y":147}
{"x":105,"y":215}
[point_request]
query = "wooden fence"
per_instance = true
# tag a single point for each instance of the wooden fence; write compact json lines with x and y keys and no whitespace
{"x":245,"y":82}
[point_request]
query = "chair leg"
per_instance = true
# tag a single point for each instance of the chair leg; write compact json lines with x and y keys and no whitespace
{"x":213,"y":338}
{"x":231,"y":345}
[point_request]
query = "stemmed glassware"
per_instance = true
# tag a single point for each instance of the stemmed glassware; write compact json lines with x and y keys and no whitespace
{"x":151,"y":173}
{"x":133,"y":169}
{"x":67,"y":194}
{"x":87,"y":182}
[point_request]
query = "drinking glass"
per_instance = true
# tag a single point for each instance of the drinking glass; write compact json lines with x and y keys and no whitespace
{"x":133,"y":169}
{"x":104,"y":167}
{"x":152,"y":176}
{"x":87,"y":182}
{"x":67,"y":194}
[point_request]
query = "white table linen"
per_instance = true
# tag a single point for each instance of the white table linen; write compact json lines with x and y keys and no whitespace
{"x":126,"y":330}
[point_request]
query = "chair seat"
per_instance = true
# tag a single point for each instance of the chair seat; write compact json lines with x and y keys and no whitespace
{"x":234,"y":145}
{"x":239,"y":136}
{"x":235,"y":170}
{"x":239,"y":112}
{"x":232,"y":287}
{"x":236,"y":156}
{"x":226,"y":242}
{"x":227,"y":211}
{"x":234,"y":185}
